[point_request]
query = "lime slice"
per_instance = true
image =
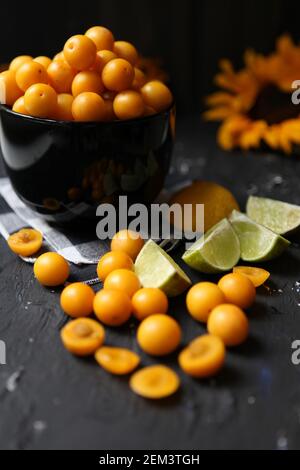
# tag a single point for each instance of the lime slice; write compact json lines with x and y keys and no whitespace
{"x":278,"y":216}
{"x":155,"y":268}
{"x":258,"y":243}
{"x":217,"y":251}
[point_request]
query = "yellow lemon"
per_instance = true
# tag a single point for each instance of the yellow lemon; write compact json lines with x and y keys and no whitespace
{"x":218,"y":202}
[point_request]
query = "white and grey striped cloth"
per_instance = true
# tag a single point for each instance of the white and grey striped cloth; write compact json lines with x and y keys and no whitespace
{"x":78,"y":249}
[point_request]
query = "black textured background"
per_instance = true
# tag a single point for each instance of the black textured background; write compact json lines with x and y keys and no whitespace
{"x":59,"y":401}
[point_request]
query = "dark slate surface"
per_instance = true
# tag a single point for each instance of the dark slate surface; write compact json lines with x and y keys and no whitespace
{"x":50,"y":399}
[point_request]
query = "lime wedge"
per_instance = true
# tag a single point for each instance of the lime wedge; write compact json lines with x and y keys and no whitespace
{"x":217,"y":251}
{"x":155,"y":268}
{"x":278,"y":216}
{"x":258,"y":243}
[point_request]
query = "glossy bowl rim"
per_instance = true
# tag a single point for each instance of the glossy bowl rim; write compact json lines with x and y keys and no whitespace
{"x":54,"y":122}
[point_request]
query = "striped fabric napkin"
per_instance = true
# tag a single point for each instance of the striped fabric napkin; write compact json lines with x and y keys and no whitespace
{"x":79,"y":249}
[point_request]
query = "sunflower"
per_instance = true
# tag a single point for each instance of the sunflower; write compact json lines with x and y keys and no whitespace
{"x":255,"y":105}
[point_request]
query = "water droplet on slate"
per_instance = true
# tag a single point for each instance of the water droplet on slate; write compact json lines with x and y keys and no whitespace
{"x":13,"y":379}
{"x":282,"y":442}
{"x":39,"y":426}
{"x":274,"y":181}
{"x":253,"y":189}
{"x":184,"y":168}
{"x":251,"y":400}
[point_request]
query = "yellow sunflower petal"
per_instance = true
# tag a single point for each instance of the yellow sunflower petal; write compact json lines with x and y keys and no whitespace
{"x":285,"y":45}
{"x":226,"y":66}
{"x":252,"y":137}
{"x":238,"y":123}
{"x":219,"y":98}
{"x":272,"y":136}
{"x":218,"y":114}
{"x":291,"y":129}
{"x":285,"y":141}
{"x":225,"y":138}
{"x":230,"y":131}
{"x":250,"y":57}
{"x":285,"y":81}
{"x":223,"y":81}
{"x":264,"y":69}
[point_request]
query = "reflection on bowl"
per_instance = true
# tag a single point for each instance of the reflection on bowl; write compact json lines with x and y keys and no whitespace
{"x":64,"y":170}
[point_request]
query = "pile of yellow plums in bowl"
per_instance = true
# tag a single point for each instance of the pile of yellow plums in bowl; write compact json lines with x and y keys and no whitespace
{"x":94,"y":78}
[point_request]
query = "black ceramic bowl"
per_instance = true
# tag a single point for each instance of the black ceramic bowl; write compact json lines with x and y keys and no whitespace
{"x":64,"y":170}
